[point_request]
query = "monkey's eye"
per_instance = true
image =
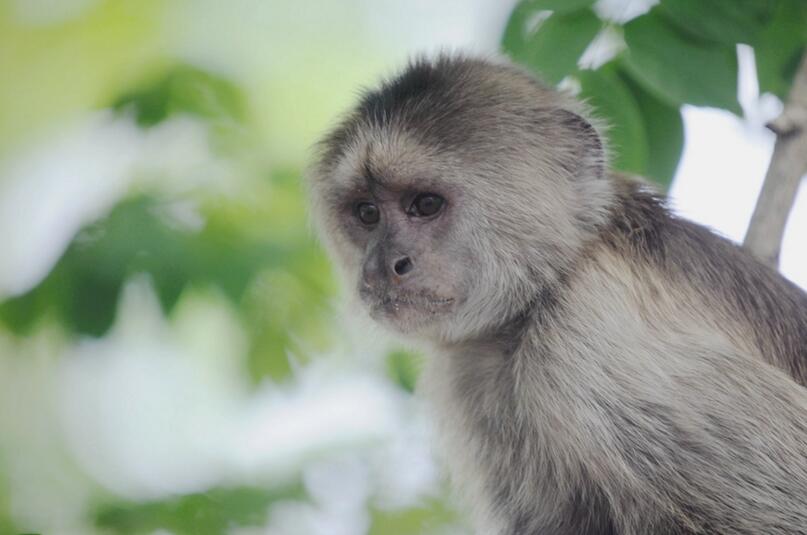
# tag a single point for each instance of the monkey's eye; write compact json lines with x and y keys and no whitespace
{"x":426,"y":205}
{"x":367,"y":213}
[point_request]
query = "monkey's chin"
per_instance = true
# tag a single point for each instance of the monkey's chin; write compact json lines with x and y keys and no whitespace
{"x":411,"y":316}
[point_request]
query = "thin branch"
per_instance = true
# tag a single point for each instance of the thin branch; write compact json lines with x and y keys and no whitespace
{"x":788,"y":165}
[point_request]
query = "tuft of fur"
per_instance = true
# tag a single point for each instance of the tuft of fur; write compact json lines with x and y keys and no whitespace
{"x":611,"y":368}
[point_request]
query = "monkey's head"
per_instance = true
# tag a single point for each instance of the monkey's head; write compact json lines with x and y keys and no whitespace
{"x":455,"y":193}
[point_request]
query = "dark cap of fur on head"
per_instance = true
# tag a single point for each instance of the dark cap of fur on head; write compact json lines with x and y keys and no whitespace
{"x":447,"y":100}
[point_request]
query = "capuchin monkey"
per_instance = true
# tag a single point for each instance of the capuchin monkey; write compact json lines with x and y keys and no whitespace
{"x":596,"y":365}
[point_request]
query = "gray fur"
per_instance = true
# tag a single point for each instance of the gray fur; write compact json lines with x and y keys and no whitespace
{"x":596,"y":365}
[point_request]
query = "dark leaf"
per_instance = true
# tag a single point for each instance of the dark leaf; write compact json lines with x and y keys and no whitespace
{"x":679,"y":69}
{"x":779,"y":47}
{"x":722,"y":21}
{"x":613,"y":101}
{"x":664,"y":133}
{"x":514,"y":40}
{"x":559,"y":6}
{"x":518,"y":28}
{"x":553,"y":50}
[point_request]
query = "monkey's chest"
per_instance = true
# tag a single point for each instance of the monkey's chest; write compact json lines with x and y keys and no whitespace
{"x":505,"y":468}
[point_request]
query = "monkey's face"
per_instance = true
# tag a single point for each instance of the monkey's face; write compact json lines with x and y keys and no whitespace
{"x":407,"y":276}
{"x":455,"y":194}
{"x":394,"y":228}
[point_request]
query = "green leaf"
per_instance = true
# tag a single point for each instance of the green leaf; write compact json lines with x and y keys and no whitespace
{"x":613,"y":101}
{"x":426,"y":519}
{"x":83,"y":287}
{"x":257,"y":251}
{"x":779,"y":47}
{"x":678,"y":69}
{"x":559,"y":6}
{"x":517,"y":30}
{"x":184,"y":89}
{"x":403,"y":367}
{"x":664,"y":133}
{"x":722,"y":21}
{"x":553,"y":50}
{"x":6,"y":522}
{"x":287,"y":311}
{"x":514,"y":40}
{"x":215,"y":512}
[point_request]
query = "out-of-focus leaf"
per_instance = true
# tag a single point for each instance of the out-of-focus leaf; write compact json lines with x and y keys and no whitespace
{"x":257,"y":252}
{"x":285,"y":311}
{"x":426,"y":519}
{"x":723,"y":21}
{"x":680,"y":69}
{"x":6,"y":523}
{"x":664,"y":133}
{"x":403,"y":367}
{"x":287,"y":305}
{"x":613,"y":101}
{"x":184,"y":89}
{"x":780,"y":45}
{"x":216,"y":512}
{"x":559,"y":6}
{"x":517,"y":30}
{"x":83,"y":286}
{"x":552,"y":51}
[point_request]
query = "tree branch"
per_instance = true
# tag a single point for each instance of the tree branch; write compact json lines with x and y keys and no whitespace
{"x":788,"y":165}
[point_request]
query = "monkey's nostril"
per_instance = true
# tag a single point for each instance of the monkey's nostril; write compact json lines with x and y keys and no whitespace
{"x":402,"y":266}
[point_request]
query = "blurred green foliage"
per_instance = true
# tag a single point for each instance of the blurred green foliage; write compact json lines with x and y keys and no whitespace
{"x":210,"y":513}
{"x":403,"y":368}
{"x":539,"y":50}
{"x":251,"y":244}
{"x":81,"y":292}
{"x":427,"y":518}
{"x":680,"y":52}
{"x":257,"y":251}
{"x":83,"y":288}
{"x":185,"y":89}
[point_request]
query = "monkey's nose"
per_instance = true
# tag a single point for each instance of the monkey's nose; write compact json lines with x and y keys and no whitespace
{"x":402,"y":266}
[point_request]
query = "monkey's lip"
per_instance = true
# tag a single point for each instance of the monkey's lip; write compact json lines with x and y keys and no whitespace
{"x":415,"y":300}
{"x":394,"y":302}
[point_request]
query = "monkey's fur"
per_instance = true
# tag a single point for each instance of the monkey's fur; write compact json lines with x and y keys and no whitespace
{"x":596,"y":365}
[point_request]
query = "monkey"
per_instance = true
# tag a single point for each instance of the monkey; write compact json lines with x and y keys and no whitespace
{"x":595,"y":363}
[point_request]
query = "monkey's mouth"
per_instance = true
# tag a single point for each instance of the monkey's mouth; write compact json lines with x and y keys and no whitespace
{"x":415,"y":301}
{"x":392,"y":304}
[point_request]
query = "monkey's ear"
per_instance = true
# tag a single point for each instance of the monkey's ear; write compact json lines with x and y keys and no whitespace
{"x":590,"y":149}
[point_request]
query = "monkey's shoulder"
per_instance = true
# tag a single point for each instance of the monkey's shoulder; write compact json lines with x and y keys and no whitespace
{"x":706,"y":275}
